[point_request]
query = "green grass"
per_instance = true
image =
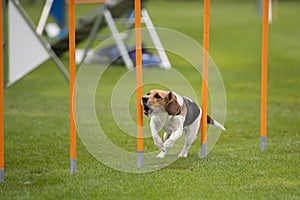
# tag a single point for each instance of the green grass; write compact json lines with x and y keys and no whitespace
{"x":37,"y":120}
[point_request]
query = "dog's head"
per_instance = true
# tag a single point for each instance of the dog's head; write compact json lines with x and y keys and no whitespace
{"x":157,"y":101}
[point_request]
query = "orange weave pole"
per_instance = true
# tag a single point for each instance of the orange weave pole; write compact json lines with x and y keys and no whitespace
{"x":72,"y":69}
{"x":264,"y":76}
{"x":139,"y":81}
{"x":1,"y":102}
{"x":205,"y":77}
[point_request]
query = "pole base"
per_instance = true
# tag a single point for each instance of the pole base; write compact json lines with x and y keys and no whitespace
{"x":140,"y":158}
{"x":203,"y":152}
{"x":1,"y":175}
{"x":73,"y":166}
{"x":263,"y":143}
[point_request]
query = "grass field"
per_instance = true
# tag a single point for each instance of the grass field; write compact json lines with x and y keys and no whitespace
{"x":37,"y":119}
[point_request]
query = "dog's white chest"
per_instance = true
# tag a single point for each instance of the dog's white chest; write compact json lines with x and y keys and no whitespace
{"x":173,"y":124}
{"x":168,"y":123}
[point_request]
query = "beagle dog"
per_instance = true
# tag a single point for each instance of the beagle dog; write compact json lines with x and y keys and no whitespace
{"x":173,"y":114}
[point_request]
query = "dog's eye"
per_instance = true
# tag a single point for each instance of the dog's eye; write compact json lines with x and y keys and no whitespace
{"x":148,"y":93}
{"x":157,"y":96}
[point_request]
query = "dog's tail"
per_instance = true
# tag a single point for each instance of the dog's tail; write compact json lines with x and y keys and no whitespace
{"x":215,"y":123}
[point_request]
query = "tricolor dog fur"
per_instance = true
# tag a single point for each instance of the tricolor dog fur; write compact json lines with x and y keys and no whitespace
{"x":174,"y":114}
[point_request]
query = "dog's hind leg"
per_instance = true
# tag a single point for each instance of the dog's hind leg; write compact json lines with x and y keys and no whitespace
{"x":191,"y":133}
{"x":189,"y":139}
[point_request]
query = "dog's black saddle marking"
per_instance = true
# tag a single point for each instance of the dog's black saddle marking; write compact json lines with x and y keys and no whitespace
{"x":193,"y":111}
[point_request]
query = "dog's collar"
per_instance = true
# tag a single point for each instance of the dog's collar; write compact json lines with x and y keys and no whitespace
{"x":179,"y":110}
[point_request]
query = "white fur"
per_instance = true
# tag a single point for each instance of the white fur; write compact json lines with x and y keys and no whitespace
{"x":173,"y":128}
{"x":220,"y":126}
{"x":179,"y":98}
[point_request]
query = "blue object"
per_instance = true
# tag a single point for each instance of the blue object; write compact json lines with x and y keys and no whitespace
{"x":148,"y":59}
{"x":58,"y":12}
{"x":112,"y":54}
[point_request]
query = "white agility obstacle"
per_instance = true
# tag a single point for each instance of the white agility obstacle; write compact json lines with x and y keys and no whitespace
{"x":27,"y":49}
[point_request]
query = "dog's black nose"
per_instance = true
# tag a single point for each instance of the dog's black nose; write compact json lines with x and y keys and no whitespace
{"x":145,"y":99}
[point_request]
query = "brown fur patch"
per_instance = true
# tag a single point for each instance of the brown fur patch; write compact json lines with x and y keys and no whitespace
{"x":172,"y":107}
{"x":163,"y":99}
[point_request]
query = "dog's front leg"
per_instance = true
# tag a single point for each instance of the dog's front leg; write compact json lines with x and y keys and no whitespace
{"x":169,"y":143}
{"x":154,"y":125}
{"x":172,"y":139}
{"x":158,"y":141}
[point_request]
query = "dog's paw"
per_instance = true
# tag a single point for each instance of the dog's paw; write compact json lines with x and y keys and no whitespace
{"x":162,"y":154}
{"x":182,"y":155}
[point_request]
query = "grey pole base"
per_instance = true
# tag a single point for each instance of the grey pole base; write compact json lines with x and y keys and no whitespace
{"x":203,"y":152}
{"x":72,"y":166}
{"x":263,"y":143}
{"x":1,"y":175}
{"x":140,"y":158}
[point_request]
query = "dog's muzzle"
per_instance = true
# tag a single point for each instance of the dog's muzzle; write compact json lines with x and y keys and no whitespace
{"x":145,"y":106}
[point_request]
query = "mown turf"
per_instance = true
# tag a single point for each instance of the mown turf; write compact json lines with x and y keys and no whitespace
{"x":37,"y":120}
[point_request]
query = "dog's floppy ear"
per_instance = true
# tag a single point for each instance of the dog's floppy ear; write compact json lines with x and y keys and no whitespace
{"x":172,"y":107}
